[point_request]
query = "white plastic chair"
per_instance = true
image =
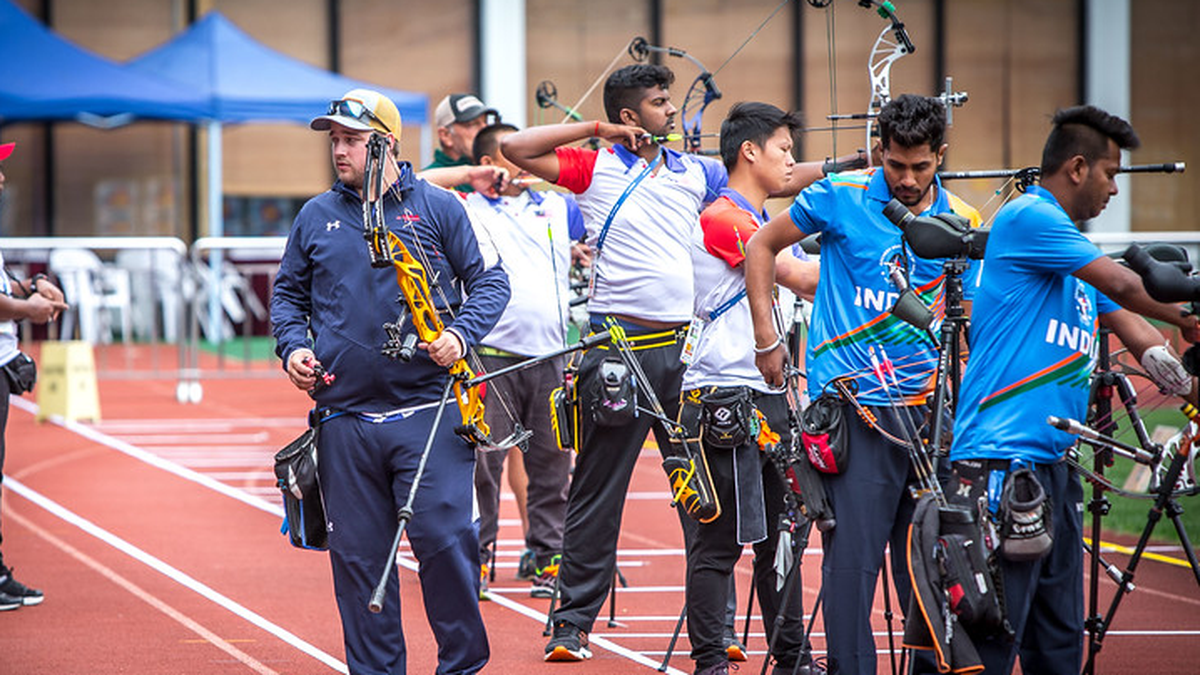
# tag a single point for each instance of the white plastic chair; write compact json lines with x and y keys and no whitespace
{"x":158,"y":276}
{"x":95,"y":292}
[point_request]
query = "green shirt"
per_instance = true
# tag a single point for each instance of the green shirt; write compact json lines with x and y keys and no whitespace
{"x":442,"y":160}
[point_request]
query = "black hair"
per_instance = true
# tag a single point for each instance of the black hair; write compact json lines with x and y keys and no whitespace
{"x":487,"y":141}
{"x":912,"y":121}
{"x":625,"y":86}
{"x":1084,"y":130}
{"x":755,"y":122}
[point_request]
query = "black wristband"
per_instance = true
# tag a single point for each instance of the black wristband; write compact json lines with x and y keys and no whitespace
{"x":33,"y":281}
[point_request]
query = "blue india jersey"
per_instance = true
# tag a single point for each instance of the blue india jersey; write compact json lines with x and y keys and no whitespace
{"x":852,"y":308}
{"x":1033,"y":335}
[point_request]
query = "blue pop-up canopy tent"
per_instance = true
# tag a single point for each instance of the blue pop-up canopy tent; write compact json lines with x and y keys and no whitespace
{"x":245,"y":81}
{"x":45,"y":77}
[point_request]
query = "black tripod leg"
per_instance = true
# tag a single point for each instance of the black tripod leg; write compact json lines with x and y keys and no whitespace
{"x":1174,"y":512}
{"x":612,"y":597}
{"x":887,"y":613}
{"x":794,"y":576}
{"x":749,"y":608}
{"x":549,"y":629}
{"x":1162,"y":504}
{"x":662,"y":667}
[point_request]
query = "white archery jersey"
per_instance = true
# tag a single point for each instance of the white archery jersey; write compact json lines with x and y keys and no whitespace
{"x":529,"y":234}
{"x":8,"y":329}
{"x":644,"y":268}
{"x":724,"y":355}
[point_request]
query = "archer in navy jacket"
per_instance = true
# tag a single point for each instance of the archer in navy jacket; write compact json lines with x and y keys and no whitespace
{"x":326,"y":286}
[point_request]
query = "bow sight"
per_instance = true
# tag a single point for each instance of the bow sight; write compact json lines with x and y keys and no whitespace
{"x":705,"y":82}
{"x":375,"y":232}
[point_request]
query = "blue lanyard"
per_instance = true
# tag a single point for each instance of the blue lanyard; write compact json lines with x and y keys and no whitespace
{"x":621,"y":200}
{"x":727,"y":305}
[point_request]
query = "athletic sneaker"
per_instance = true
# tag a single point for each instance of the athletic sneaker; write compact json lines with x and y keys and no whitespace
{"x":568,"y":644}
{"x":527,"y":566}
{"x":15,"y":589}
{"x":8,"y":602}
{"x":545,"y":580}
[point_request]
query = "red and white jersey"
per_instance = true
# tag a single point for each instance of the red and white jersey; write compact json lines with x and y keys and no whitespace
{"x":644,"y":266}
{"x":724,"y":354}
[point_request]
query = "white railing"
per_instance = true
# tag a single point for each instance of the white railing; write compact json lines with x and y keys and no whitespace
{"x":173,"y":293}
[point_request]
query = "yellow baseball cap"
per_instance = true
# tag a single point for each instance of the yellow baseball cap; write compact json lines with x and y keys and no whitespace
{"x":361,"y":109}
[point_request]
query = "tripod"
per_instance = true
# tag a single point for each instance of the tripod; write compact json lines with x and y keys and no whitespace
{"x":1106,"y":382}
{"x":912,"y":310}
{"x":949,"y":367}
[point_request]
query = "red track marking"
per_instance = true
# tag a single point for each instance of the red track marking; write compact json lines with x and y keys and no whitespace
{"x":90,"y":623}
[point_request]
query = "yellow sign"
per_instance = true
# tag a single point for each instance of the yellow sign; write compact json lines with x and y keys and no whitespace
{"x":67,"y":381}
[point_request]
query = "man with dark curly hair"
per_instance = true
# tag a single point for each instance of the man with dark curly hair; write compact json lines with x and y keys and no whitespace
{"x":861,"y":252}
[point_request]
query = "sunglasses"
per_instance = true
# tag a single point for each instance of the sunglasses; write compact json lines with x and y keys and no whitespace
{"x":354,"y":110}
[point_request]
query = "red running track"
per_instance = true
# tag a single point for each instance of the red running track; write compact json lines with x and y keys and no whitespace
{"x":154,"y":534}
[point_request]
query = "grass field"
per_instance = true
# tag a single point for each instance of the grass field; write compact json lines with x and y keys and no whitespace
{"x":1130,"y":515}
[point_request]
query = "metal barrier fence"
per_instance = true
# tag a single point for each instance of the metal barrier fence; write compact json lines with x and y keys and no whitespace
{"x":135,"y":290}
{"x":232,"y":307}
{"x":212,"y":297}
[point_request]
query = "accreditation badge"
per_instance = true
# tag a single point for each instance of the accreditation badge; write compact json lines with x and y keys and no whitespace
{"x":691,"y":341}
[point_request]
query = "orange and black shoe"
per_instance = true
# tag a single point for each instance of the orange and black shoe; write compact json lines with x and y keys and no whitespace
{"x":568,"y":644}
{"x":545,"y":579}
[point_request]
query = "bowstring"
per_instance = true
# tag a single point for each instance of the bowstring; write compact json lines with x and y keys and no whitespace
{"x":596,"y":83}
{"x":1007,"y":189}
{"x":830,"y":42}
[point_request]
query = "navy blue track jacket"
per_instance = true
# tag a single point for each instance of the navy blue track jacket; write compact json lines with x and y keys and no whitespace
{"x":327,"y":287}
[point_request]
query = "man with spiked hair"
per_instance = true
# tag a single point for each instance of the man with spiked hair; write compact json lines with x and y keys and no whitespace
{"x":1044,"y":290}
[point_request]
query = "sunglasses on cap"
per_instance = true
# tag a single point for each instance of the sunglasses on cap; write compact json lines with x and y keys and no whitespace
{"x":354,"y":110}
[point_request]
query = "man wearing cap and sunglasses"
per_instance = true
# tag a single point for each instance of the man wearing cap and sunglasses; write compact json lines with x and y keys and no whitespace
{"x":40,"y":301}
{"x":458,"y":118}
{"x":328,"y":309}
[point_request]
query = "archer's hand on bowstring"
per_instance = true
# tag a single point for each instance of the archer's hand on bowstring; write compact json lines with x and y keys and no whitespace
{"x":444,"y":350}
{"x":489,"y":179}
{"x":633,"y":138}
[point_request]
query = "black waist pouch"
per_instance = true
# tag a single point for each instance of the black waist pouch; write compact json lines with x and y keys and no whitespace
{"x":303,"y":508}
{"x":21,"y":372}
{"x":725,"y":417}
{"x":616,"y":402}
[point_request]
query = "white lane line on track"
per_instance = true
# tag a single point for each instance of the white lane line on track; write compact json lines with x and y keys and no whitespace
{"x":246,"y":498}
{"x":593,"y":639}
{"x":151,"y":459}
{"x":145,"y":596}
{"x":197,"y":424}
{"x":174,"y":574}
{"x":208,"y":438}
